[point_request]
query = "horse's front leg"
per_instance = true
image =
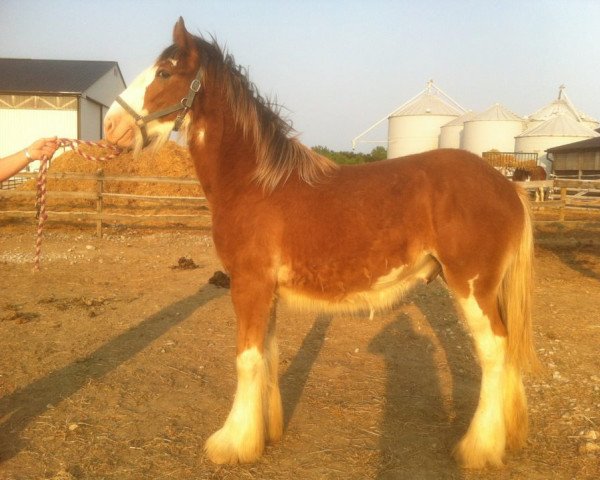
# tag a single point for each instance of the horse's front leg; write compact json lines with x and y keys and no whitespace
{"x":256,"y":412}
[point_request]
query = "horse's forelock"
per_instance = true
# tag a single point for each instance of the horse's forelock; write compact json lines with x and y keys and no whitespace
{"x":168,"y":53}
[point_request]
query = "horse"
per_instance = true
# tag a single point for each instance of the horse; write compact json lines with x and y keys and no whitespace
{"x":537,"y":173}
{"x":291,"y":226}
{"x":524,"y":175}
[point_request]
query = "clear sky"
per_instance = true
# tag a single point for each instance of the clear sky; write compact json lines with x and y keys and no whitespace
{"x":339,"y":66}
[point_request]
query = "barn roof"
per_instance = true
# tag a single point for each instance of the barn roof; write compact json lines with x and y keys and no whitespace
{"x":51,"y":76}
{"x":589,"y":144}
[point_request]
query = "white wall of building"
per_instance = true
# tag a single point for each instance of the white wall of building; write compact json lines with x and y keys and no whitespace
{"x":19,"y":128}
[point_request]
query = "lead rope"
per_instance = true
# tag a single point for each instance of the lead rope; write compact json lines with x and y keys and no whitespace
{"x":40,"y":199}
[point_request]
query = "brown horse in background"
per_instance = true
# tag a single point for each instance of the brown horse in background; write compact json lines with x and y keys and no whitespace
{"x":535,"y":174}
{"x":291,"y":225}
{"x":524,"y":174}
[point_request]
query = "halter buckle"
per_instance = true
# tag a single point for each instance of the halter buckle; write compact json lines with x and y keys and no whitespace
{"x":195,"y":85}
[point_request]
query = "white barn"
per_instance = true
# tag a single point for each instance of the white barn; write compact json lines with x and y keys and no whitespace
{"x":46,"y":98}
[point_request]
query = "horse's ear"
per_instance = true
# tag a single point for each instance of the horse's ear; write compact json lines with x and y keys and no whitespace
{"x":181,"y":37}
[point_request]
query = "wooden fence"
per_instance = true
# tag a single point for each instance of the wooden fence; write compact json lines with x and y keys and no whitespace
{"x":99,"y":196}
{"x":565,"y":196}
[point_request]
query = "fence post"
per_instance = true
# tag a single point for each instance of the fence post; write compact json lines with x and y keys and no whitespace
{"x":99,"y":192}
{"x":563,"y":204}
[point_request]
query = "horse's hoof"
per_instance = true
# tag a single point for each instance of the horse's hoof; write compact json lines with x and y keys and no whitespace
{"x":224,"y":448}
{"x":468,"y":456}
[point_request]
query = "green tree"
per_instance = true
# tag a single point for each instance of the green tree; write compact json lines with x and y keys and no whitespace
{"x":378,"y":153}
{"x":352,"y":158}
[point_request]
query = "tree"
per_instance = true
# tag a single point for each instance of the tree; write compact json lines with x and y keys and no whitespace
{"x":352,"y":158}
{"x":378,"y":153}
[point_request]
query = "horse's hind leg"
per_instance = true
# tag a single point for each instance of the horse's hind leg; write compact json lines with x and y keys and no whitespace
{"x":242,"y":437}
{"x":274,"y":413}
{"x":485,"y":441}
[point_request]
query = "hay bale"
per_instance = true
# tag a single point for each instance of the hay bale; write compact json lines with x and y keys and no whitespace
{"x":172,"y":160}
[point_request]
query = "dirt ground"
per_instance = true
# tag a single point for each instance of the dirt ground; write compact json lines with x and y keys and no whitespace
{"x":115,"y":365}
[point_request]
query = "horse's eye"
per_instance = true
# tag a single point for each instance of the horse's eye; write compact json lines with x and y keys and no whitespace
{"x":163,"y":74}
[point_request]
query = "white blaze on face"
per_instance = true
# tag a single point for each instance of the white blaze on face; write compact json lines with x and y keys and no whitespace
{"x":134,"y":94}
{"x":119,"y":126}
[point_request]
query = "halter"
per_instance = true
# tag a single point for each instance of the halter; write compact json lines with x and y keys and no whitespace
{"x":184,"y":105}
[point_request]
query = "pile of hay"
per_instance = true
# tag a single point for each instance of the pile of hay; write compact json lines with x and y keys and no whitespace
{"x":171,"y":160}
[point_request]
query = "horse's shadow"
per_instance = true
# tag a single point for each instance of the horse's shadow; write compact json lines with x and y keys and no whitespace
{"x":294,"y":379}
{"x":570,"y":257}
{"x":423,"y":419}
{"x":412,"y":433}
{"x":22,"y":406}
{"x":431,"y":388}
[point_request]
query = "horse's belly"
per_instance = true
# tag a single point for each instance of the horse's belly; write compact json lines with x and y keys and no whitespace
{"x":381,"y":294}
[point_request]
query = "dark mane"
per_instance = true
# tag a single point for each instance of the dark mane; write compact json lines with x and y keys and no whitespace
{"x":278,"y":152}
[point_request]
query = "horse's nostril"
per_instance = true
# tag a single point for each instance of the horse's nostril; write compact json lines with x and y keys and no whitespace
{"x":108,"y":125}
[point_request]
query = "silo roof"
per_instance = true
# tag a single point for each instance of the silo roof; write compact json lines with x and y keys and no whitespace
{"x":562,"y":105}
{"x":497,"y":113}
{"x":460,"y":120}
{"x":427,"y":104}
{"x":556,"y":107}
{"x":562,"y":125}
{"x":431,"y":101}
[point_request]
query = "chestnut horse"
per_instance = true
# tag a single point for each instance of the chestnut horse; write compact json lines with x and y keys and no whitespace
{"x":288,"y":224}
{"x":523,"y":174}
{"x":535,"y":174}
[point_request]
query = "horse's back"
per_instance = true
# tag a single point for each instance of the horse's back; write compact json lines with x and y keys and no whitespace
{"x":440,"y":186}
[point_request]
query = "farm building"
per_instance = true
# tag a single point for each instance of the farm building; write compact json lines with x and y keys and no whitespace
{"x":418,"y":125}
{"x":46,"y":98}
{"x":562,"y":105}
{"x":579,"y":159}
{"x":557,"y":130}
{"x":451,"y":133}
{"x":415,"y":126}
{"x":494,"y":129}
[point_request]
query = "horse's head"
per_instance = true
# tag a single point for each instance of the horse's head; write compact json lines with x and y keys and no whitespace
{"x":159,"y":99}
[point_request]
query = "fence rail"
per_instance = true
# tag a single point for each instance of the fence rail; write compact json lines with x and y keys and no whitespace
{"x":101,"y":214}
{"x":566,"y":196}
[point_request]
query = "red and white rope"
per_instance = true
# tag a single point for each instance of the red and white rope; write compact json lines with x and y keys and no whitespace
{"x":40,"y":201}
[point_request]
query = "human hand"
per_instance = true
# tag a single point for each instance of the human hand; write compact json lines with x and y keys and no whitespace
{"x":42,"y":147}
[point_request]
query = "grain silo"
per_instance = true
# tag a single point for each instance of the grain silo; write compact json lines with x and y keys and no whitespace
{"x":451,"y":133}
{"x":415,"y":126}
{"x":558,"y":130}
{"x":561,"y":105}
{"x":494,"y":129}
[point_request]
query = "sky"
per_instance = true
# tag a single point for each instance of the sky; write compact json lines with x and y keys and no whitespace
{"x":338,"y":67}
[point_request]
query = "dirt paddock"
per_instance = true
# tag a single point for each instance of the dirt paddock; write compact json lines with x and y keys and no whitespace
{"x":115,"y":365}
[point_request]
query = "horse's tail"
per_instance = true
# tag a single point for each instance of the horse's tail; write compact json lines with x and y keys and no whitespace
{"x":515,"y":297}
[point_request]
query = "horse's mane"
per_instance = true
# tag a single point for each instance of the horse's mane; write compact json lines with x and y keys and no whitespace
{"x":278,"y":151}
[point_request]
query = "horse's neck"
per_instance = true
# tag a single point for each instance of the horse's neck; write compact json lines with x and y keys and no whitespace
{"x":224,"y":158}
